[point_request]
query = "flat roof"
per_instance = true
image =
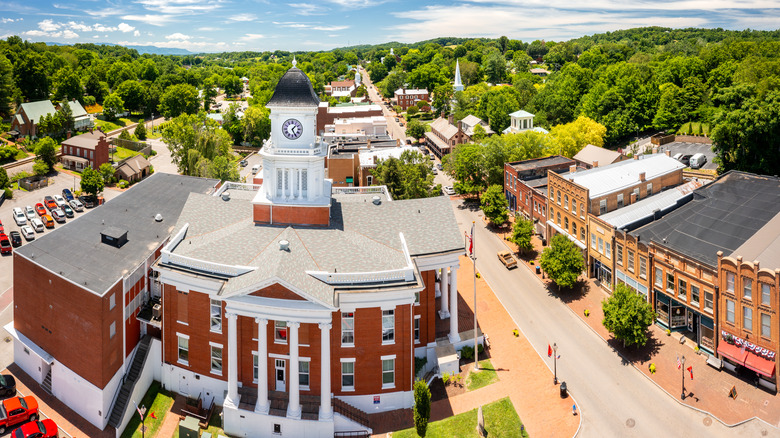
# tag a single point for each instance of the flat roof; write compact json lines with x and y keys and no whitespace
{"x":722,"y":216}
{"x":646,"y":208}
{"x":602,"y":180}
{"x":538,"y":163}
{"x":764,"y":246}
{"x":76,"y":252}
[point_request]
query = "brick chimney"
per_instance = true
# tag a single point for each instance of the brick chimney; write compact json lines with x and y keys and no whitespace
{"x":668,"y":153}
{"x":67,"y":135}
{"x":460,"y":126}
{"x":642,"y":176}
{"x":595,"y":164}
{"x":572,"y":168}
{"x":451,"y":119}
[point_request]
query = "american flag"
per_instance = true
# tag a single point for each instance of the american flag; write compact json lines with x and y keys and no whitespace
{"x":679,"y":364}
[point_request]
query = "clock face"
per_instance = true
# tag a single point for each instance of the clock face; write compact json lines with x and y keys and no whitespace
{"x":292,"y":129}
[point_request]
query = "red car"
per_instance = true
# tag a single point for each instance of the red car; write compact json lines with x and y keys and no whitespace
{"x":5,"y":244}
{"x":38,"y":429}
{"x":17,"y":410}
{"x":40,"y":209}
{"x":2,"y":230}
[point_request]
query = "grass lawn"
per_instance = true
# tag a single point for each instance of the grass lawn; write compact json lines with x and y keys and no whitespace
{"x":122,"y":153}
{"x":106,"y":126}
{"x":484,"y":377}
{"x":501,"y":420}
{"x":157,"y":401}
{"x":214,"y":425}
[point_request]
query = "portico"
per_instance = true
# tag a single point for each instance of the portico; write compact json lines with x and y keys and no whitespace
{"x":448,"y":284}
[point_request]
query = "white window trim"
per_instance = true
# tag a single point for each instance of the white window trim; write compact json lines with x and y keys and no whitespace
{"x":178,"y":359}
{"x":417,"y":318}
{"x":341,"y":374}
{"x":389,"y":385}
{"x":212,"y":370}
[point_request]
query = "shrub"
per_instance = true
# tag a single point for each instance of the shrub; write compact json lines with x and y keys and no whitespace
{"x":123,"y":184}
{"x":422,"y":407}
{"x":17,"y":176}
{"x":467,"y":353}
{"x":40,"y":168}
{"x":9,"y":193}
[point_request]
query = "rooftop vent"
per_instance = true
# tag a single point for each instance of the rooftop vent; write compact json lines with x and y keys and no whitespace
{"x":158,"y":217}
{"x":226,"y":196}
{"x":284,"y":245}
{"x":113,"y":236}
{"x":376,"y":200}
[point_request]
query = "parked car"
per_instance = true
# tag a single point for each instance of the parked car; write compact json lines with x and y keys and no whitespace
{"x":448,"y":190}
{"x":50,"y":203}
{"x":16,"y":238}
{"x":30,"y":213}
{"x":255,"y":169}
{"x":19,"y":216}
{"x":434,"y":170}
{"x":40,"y":209}
{"x":7,"y":385}
{"x":58,"y":215}
{"x":28,"y":233}
{"x":59,"y":200}
{"x":16,"y":410}
{"x":438,"y":166}
{"x":5,"y":244}
{"x":243,"y":163}
{"x":67,"y":210}
{"x":2,"y":228}
{"x":507,"y":259}
{"x":48,"y":221}
{"x":38,"y":429}
{"x":87,"y":201}
{"x":77,"y":205}
{"x":67,"y":194}
{"x":697,"y":161}
{"x":37,"y":225}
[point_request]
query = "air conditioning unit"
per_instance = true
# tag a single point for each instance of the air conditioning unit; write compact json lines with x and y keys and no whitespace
{"x":157,"y":311}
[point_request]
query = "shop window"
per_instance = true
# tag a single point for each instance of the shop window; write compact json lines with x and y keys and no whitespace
{"x":747,"y":318}
{"x":730,"y":311}
{"x":747,"y":288}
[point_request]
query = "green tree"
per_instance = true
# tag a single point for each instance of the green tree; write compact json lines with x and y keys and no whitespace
{"x":67,"y":85}
{"x":466,"y":165}
{"x":112,"y":106}
{"x":494,"y":204}
{"x":256,"y":125}
{"x":40,"y":168}
{"x":140,"y":130}
{"x":223,"y":168}
{"x":427,"y":76}
{"x":415,"y":129}
{"x":627,"y":315}
{"x":209,"y":93}
{"x":562,"y":261}
{"x":232,"y":124}
{"x":125,"y":135}
{"x":91,"y":181}
{"x":107,"y":173}
{"x":4,"y":181}
{"x":568,"y":139}
{"x":65,"y":114}
{"x":133,"y":95}
{"x":179,"y":99}
{"x":406,"y":177}
{"x":46,"y":151}
{"x":522,"y":232}
{"x":479,"y":133}
{"x":495,"y":67}
{"x":232,"y":85}
{"x":442,"y":96}
{"x":7,"y":87}
{"x":394,"y":80}
{"x":412,"y":110}
{"x":194,"y":141}
{"x":422,"y":407}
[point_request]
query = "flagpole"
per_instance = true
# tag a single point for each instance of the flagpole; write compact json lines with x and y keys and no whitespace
{"x":474,"y":264}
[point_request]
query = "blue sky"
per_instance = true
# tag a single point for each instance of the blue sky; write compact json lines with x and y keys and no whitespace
{"x":225,"y":25}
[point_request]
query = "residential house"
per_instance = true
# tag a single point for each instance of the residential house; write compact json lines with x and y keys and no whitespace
{"x":81,"y":119}
{"x":339,"y":89}
{"x":593,"y":156}
{"x":406,"y":97}
{"x":133,"y":169}
{"x":90,"y":149}
{"x":445,"y":134}
{"x":25,"y":122}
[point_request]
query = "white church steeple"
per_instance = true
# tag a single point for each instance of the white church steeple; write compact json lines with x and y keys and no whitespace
{"x":458,"y":84}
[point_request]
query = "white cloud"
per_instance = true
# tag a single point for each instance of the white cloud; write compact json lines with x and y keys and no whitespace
{"x":100,"y":28}
{"x":10,"y":20}
{"x":330,"y":28}
{"x":308,"y":9}
{"x":69,"y":34}
{"x":35,"y":33}
{"x":251,"y":37}
{"x":180,"y":7}
{"x":208,"y":29}
{"x":136,"y":33}
{"x":242,"y":17}
{"x":81,"y":27}
{"x":177,"y":36}
{"x":48,"y":25}
{"x":356,"y":4}
{"x":124,"y":27}
{"x":295,"y":25}
{"x":153,"y":19}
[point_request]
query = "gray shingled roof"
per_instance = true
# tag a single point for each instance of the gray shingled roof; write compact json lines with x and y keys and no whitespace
{"x":721,"y":217}
{"x":362,"y":237}
{"x":294,"y":89}
{"x":75,"y":251}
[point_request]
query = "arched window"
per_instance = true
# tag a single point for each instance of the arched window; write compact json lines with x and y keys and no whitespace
{"x":566,"y":202}
{"x":582,"y":234}
{"x":559,"y":218}
{"x":566,"y":224}
{"x":574,"y":228}
{"x":559,"y":197}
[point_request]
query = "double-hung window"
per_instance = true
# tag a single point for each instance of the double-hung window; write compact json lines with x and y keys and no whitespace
{"x":619,"y":254}
{"x":388,"y":372}
{"x":216,"y":316}
{"x":184,"y":349}
{"x":670,"y":282}
{"x":747,"y":288}
{"x":280,"y":332}
{"x":303,"y":374}
{"x":683,"y":288}
{"x":766,"y":297}
{"x":659,"y":277}
{"x":388,"y":326}
{"x":642,"y":267}
{"x":747,"y":318}
{"x":347,"y":329}
{"x":348,"y":374}
{"x":730,"y":282}
{"x":730,"y":311}
{"x":216,"y":359}
{"x":630,"y":260}
{"x":766,"y":325}
{"x":694,"y":295}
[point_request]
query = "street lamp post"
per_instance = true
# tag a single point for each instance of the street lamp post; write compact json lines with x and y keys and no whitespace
{"x":555,"y":363}
{"x":682,"y":374}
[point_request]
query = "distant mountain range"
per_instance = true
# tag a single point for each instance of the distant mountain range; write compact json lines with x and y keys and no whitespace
{"x":153,"y":50}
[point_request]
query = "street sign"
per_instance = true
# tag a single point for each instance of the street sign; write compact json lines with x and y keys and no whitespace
{"x":733,"y":392}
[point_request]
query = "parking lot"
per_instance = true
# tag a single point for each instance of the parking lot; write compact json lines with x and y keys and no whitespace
{"x":691,"y":149}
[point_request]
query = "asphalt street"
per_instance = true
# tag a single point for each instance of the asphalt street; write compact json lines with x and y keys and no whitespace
{"x":615,"y":399}
{"x":394,"y":128}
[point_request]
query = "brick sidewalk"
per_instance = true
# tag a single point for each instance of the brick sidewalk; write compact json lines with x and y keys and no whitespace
{"x":523,"y":375}
{"x":709,"y":389}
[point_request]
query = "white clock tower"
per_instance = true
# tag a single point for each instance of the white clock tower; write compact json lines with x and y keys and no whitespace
{"x":294,"y":188}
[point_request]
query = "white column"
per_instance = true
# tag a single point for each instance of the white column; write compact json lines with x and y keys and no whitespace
{"x":263,"y":405}
{"x":232,"y":397}
{"x":454,"y":336}
{"x":444,"y":313}
{"x":326,"y":412}
{"x":294,"y":406}
{"x":300,"y":183}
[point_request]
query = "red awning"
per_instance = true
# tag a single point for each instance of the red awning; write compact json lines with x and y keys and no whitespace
{"x":732,"y":352}
{"x":760,"y":365}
